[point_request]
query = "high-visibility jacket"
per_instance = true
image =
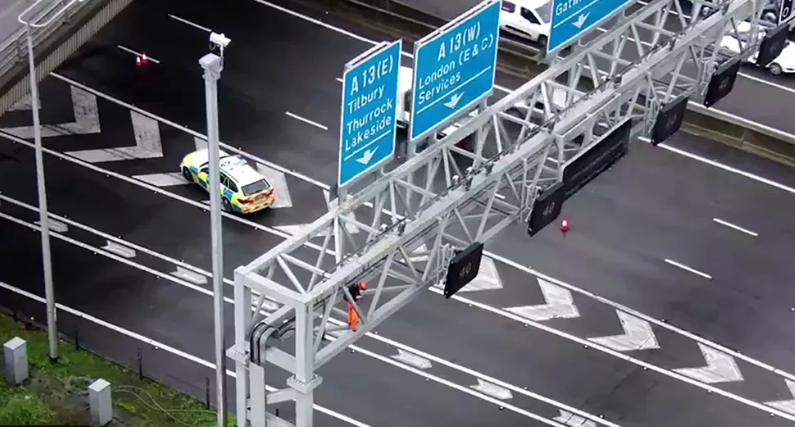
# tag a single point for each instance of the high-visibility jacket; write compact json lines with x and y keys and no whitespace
{"x":353,"y":317}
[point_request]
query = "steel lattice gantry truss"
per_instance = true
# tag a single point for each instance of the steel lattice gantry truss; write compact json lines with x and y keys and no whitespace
{"x":400,"y":232}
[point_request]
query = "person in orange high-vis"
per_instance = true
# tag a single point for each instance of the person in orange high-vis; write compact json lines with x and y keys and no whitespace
{"x":353,"y":318}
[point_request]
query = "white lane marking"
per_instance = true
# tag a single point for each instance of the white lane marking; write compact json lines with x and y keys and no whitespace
{"x":279,"y":182}
{"x":305,"y":120}
{"x":138,"y":54}
{"x":165,"y":347}
{"x":558,"y":304}
{"x":492,"y":390}
{"x":342,"y":31}
{"x":185,"y":129}
{"x":637,"y":335}
{"x":192,"y":24}
{"x":572,"y":420}
{"x":119,"y":250}
{"x":720,"y":368}
{"x":725,"y":167}
{"x":767,"y":82}
{"x":736,"y":227}
{"x":331,"y":336}
{"x":619,"y":355}
{"x":412,"y":359}
{"x":189,"y":275}
{"x":339,"y":79}
{"x":690,"y":269}
{"x":55,"y":225}
{"x":163,"y":179}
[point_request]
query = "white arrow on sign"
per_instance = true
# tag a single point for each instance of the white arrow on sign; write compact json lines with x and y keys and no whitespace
{"x":454,"y":100}
{"x":785,"y":405}
{"x":559,"y":304}
{"x":720,"y":367}
{"x":367,"y":156}
{"x":412,"y":359}
{"x":492,"y":390}
{"x":86,"y":114}
{"x":581,"y":20}
{"x":572,"y":420}
{"x":147,"y":144}
{"x":637,"y":335}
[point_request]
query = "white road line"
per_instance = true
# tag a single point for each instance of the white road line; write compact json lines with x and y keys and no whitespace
{"x":342,"y":31}
{"x":138,"y":54}
{"x":192,"y":24}
{"x":690,"y":269}
{"x":162,"y":346}
{"x":725,"y":167}
{"x":339,"y":79}
{"x":305,"y":120}
{"x":736,"y":227}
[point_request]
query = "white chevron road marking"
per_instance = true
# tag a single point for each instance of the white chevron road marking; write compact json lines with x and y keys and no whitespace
{"x":637,"y":335}
{"x":559,"y":304}
{"x":720,"y":367}
{"x":86,"y":112}
{"x":147,"y":144}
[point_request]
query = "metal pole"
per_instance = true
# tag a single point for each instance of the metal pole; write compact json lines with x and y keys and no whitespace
{"x":52,"y":331}
{"x":213,"y":65}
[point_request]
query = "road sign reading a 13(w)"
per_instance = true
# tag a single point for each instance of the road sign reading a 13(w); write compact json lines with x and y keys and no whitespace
{"x":369,"y":113}
{"x":454,"y":67}
{"x":571,"y":18}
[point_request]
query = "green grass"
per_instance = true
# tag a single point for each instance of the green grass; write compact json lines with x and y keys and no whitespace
{"x":56,"y":393}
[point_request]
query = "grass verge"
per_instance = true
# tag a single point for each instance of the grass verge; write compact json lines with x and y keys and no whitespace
{"x":56,"y":393}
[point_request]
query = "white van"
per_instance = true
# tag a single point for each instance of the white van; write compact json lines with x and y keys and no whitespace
{"x":529,"y":19}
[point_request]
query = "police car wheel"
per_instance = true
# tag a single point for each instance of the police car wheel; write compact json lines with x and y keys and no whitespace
{"x":226,"y":205}
{"x":186,"y":174}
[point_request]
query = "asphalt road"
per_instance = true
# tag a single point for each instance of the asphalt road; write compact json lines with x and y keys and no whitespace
{"x":256,"y":100}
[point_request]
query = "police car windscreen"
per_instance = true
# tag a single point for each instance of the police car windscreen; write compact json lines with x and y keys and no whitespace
{"x":256,"y":187}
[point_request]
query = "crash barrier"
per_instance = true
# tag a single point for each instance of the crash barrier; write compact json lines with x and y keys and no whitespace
{"x":55,"y":45}
{"x":520,"y":60}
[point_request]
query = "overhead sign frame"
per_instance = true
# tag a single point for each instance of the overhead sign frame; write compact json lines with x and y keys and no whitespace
{"x":427,"y":117}
{"x":373,"y":112}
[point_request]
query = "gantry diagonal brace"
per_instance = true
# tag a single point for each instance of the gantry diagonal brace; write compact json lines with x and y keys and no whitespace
{"x":446,"y":198}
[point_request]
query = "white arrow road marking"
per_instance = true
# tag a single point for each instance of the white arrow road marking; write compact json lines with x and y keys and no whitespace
{"x":785,"y":405}
{"x":56,"y":226}
{"x":190,"y":276}
{"x":559,"y":304}
{"x":581,"y":20}
{"x":367,"y":156}
{"x":86,"y":114}
{"x":487,"y":279}
{"x":412,"y":359}
{"x":163,"y":179}
{"x":26,"y":103}
{"x":351,"y":228}
{"x":492,"y":390}
{"x":454,"y":100}
{"x":119,"y":250}
{"x":637,"y":335}
{"x":147,"y":144}
{"x":572,"y":420}
{"x":279,"y":182}
{"x":720,"y":367}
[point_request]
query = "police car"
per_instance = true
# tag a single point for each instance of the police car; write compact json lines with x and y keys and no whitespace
{"x":243,"y":189}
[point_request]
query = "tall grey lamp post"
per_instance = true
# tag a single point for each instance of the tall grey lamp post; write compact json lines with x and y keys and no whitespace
{"x":213,"y":65}
{"x":30,"y":22}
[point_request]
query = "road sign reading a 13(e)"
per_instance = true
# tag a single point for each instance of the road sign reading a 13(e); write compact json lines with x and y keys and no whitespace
{"x":369,"y":113}
{"x":454,"y":67}
{"x":571,"y":18}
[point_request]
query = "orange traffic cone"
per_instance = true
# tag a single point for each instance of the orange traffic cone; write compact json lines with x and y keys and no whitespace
{"x":564,"y":226}
{"x":138,"y":61}
{"x":144,"y":59}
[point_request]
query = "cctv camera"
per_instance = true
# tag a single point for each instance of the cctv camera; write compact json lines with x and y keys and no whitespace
{"x":219,"y":40}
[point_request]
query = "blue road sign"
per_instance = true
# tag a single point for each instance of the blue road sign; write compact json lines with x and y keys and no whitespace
{"x":369,"y":113}
{"x":454,"y":67}
{"x":571,"y":18}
